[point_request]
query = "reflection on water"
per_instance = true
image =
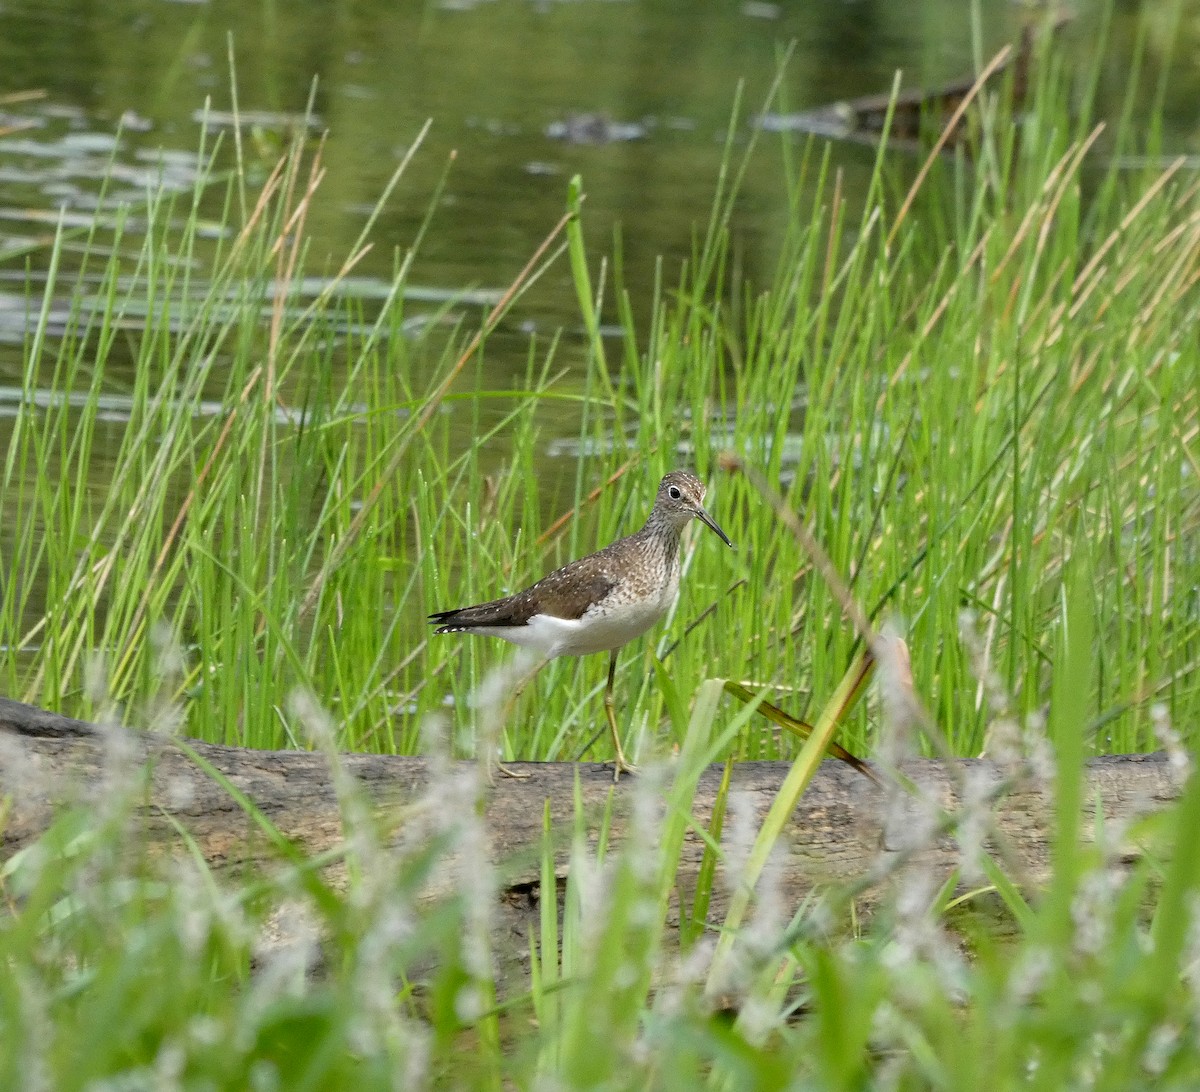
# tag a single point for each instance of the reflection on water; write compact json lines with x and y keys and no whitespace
{"x":635,"y":97}
{"x":522,"y":92}
{"x":507,"y":85}
{"x":119,"y":408}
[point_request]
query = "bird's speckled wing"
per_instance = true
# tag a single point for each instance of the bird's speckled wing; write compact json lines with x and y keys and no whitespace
{"x":563,"y":594}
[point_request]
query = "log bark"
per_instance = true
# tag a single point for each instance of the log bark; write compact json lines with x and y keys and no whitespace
{"x":845,"y":831}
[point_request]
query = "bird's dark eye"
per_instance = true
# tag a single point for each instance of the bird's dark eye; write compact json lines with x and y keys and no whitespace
{"x":674,"y":493}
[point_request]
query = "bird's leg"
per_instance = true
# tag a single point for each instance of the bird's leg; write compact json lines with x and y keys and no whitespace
{"x":505,"y":712}
{"x":620,"y":763}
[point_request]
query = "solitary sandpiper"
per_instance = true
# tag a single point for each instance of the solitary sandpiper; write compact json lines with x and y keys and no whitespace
{"x":600,"y":602}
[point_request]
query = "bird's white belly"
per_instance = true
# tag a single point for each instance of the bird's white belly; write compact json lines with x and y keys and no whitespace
{"x":598,"y":630}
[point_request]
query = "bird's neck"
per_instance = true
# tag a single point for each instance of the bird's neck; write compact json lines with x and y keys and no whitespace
{"x":662,"y":531}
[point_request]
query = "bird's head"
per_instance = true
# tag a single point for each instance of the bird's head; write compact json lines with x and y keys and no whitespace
{"x":681,"y":498}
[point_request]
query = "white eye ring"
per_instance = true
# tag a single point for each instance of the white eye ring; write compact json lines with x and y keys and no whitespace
{"x":674,"y":493}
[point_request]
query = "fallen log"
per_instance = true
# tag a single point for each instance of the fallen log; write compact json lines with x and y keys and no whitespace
{"x":845,"y":828}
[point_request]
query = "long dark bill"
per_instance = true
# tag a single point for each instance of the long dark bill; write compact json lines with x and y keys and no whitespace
{"x":705,"y":518}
